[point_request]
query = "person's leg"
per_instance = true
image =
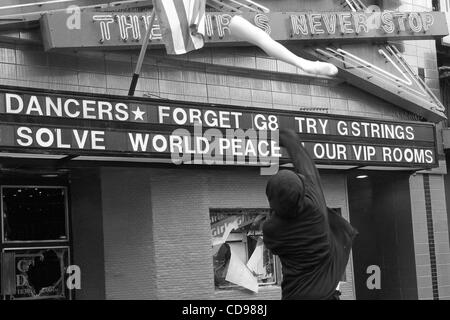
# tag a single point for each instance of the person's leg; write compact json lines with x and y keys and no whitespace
{"x":244,"y":30}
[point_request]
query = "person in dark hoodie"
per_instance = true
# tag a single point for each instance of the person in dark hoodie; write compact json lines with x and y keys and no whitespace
{"x":312,"y":241}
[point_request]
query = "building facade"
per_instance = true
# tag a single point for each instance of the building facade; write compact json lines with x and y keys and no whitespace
{"x":141,"y":229}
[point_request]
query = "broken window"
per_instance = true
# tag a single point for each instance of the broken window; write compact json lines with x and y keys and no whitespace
{"x":239,"y":255}
{"x":35,"y":273}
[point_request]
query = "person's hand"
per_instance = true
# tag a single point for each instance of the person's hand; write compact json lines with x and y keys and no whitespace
{"x":258,"y":222}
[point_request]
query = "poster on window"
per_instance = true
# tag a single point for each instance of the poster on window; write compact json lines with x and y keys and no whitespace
{"x":239,"y":256}
{"x":37,"y":273}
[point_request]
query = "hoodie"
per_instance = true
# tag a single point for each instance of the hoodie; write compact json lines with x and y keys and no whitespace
{"x":312,"y":241}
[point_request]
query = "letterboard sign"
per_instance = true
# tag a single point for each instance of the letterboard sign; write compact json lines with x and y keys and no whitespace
{"x":73,"y":124}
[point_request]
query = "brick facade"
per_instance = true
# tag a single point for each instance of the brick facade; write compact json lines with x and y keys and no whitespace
{"x":426,"y":266}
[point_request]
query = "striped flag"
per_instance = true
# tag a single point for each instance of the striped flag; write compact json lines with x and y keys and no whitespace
{"x":182,"y":24}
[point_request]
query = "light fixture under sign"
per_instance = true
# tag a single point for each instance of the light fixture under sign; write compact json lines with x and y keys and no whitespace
{"x":363,"y":176}
{"x":49,"y":176}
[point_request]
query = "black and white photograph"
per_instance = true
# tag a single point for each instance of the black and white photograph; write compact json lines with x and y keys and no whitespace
{"x":227,"y":156}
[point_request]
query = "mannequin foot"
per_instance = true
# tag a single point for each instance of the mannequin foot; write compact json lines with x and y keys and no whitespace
{"x":322,"y":68}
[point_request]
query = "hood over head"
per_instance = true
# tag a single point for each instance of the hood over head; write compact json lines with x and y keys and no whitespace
{"x":284,"y":191}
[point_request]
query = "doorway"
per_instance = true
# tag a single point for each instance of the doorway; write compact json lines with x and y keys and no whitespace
{"x":380,"y":208}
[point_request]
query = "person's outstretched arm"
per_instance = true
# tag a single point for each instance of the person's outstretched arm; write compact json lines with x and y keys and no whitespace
{"x":301,"y":160}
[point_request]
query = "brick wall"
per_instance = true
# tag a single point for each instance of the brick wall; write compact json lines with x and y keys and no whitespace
{"x":441,"y":238}
{"x":128,"y":234}
{"x":111,"y":73}
{"x":430,"y":236}
{"x":419,"y":54}
{"x":423,"y":267}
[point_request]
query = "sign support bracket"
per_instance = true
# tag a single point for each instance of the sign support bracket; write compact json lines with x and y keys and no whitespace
{"x":138,"y":68}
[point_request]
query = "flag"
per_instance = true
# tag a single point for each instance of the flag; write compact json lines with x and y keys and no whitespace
{"x":182,"y":24}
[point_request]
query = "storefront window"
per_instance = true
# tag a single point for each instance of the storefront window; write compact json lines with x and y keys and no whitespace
{"x":239,"y":255}
{"x":35,"y":246}
{"x":34,"y":214}
{"x":35,"y":273}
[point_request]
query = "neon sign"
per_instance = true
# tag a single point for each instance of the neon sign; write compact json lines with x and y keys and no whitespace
{"x":113,"y":29}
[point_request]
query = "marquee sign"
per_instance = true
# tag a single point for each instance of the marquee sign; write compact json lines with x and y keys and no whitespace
{"x":126,"y":29}
{"x":200,"y":133}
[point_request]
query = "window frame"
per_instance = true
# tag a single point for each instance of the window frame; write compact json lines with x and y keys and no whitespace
{"x":66,"y":216}
{"x":276,"y":260}
{"x":69,"y":295}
